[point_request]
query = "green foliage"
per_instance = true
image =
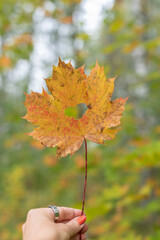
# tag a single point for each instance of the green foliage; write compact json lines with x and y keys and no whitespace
{"x":123,"y":194}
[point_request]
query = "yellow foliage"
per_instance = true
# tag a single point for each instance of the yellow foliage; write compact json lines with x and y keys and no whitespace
{"x":36,"y":144}
{"x":25,"y":38}
{"x":66,"y":20}
{"x":5,"y":62}
{"x":130,"y":47}
{"x":71,"y":1}
{"x":116,"y":191}
{"x":50,"y":160}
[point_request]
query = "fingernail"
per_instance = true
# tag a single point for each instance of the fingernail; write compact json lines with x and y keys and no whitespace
{"x":81,"y":219}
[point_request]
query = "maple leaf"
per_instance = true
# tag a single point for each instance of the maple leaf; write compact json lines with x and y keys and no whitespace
{"x":69,"y":87}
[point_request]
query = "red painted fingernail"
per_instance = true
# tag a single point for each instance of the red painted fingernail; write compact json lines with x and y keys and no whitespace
{"x":81,"y":219}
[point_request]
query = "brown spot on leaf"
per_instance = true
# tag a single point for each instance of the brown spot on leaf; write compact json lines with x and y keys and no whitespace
{"x":89,"y":106}
{"x":102,"y":128}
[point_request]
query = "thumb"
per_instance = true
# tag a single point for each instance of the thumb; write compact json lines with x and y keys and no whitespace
{"x":75,"y":225}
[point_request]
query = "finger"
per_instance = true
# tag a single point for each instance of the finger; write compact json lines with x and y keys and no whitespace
{"x":23,"y":227}
{"x":75,"y":225}
{"x":85,"y":228}
{"x":77,"y":237}
{"x":67,"y":213}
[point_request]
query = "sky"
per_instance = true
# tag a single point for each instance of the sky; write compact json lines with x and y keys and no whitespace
{"x":91,"y":15}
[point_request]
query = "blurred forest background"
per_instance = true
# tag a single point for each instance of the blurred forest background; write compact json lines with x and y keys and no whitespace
{"x":123,"y":194}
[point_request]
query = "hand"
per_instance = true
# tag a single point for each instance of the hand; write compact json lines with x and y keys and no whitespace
{"x":40,"y":224}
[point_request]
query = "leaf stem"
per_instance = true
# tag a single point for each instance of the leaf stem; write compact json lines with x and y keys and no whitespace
{"x":85,"y":183}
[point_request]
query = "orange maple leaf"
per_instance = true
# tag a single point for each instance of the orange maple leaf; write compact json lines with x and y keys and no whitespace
{"x":68,"y":87}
